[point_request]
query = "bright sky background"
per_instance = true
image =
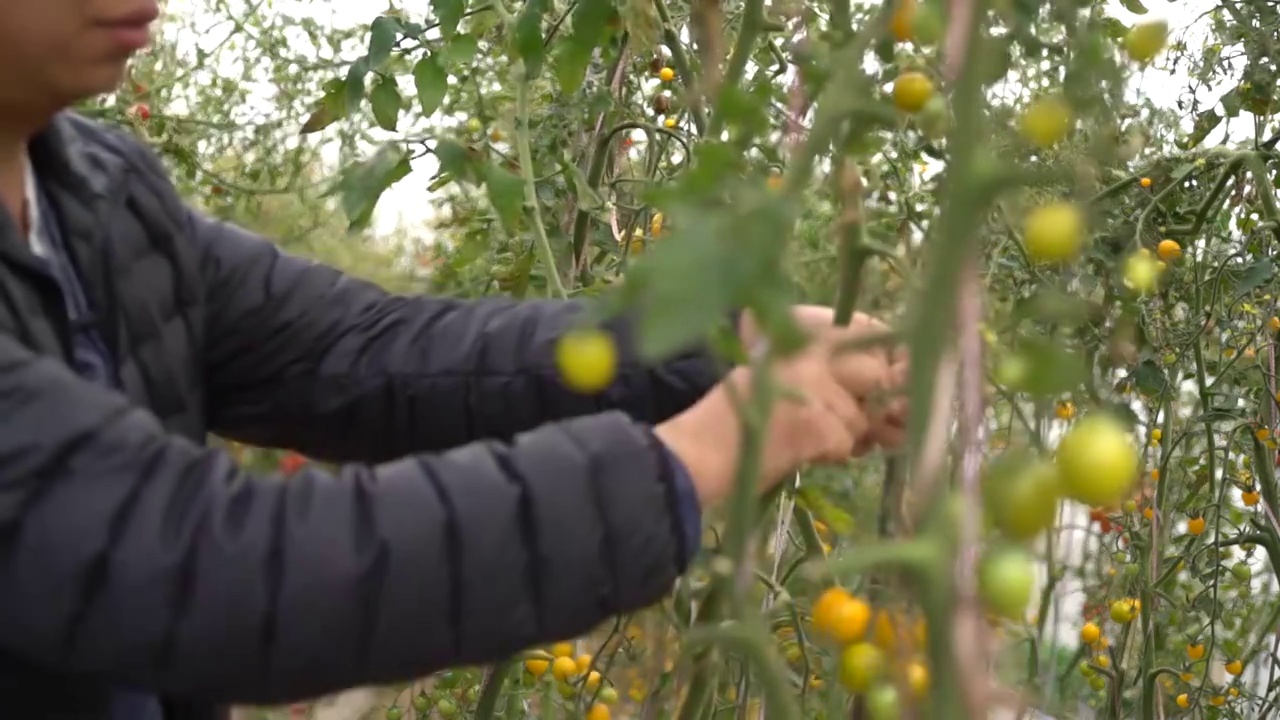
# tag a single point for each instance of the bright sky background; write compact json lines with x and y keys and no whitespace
{"x":406,"y":202}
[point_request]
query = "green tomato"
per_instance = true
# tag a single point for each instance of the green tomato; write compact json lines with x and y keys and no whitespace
{"x":1242,"y":571}
{"x":883,"y":703}
{"x":446,"y":708}
{"x":394,"y":713}
{"x":421,"y":703}
{"x":1020,"y":494}
{"x":1097,"y":682}
{"x":1006,"y":581}
{"x":1012,"y":372}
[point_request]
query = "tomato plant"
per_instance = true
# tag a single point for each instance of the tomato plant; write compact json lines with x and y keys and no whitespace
{"x":1079,"y":259}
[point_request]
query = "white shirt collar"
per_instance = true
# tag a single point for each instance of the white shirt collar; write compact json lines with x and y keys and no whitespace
{"x":35,"y":229}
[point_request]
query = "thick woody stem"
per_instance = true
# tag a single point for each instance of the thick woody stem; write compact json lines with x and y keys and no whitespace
{"x":972,"y":656}
{"x":970,"y":635}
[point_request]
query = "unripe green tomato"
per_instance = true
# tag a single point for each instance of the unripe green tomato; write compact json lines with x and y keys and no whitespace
{"x":446,"y":708}
{"x":1097,"y":682}
{"x":883,"y":703}
{"x":1242,"y":571}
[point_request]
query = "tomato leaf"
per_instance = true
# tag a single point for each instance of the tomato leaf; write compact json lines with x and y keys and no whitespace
{"x":363,"y":183}
{"x":354,"y":90}
{"x":1054,"y":369}
{"x":589,"y":25}
{"x":1255,"y":276}
{"x":528,"y":41}
{"x":382,"y":38}
{"x":506,"y":192}
{"x":462,"y":49}
{"x":1134,"y":6}
{"x":455,"y":160}
{"x":386,"y":102}
{"x":432,"y":84}
{"x":331,"y":108}
{"x":448,"y":13}
{"x":1149,"y":378}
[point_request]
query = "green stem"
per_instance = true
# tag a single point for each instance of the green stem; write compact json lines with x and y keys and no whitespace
{"x":492,"y":689}
{"x":680,"y":62}
{"x":1210,"y":201}
{"x":748,"y":34}
{"x":530,"y":184}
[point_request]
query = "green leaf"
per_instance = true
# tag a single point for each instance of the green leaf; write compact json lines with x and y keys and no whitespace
{"x":506,"y":192}
{"x":432,"y":83}
{"x":354,"y":94}
{"x":590,"y":21}
{"x":382,"y":38}
{"x":1255,"y":276}
{"x":587,"y":199}
{"x":1149,"y":378}
{"x":462,"y":49}
{"x":363,"y":183}
{"x":331,"y":108}
{"x":1053,"y":369}
{"x":1205,"y":123}
{"x":386,"y":102}
{"x":455,"y":159}
{"x":1134,"y":6}
{"x":528,"y":41}
{"x":448,"y":13}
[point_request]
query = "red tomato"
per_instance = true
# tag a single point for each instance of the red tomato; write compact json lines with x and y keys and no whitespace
{"x":292,"y":463}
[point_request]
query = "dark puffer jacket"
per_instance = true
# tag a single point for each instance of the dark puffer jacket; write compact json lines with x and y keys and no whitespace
{"x":132,"y":554}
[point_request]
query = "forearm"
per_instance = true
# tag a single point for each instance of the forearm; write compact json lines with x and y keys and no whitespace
{"x":340,"y":370}
{"x":187,"y":576}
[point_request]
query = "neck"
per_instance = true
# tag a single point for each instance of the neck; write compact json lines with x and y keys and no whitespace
{"x":15,"y":134}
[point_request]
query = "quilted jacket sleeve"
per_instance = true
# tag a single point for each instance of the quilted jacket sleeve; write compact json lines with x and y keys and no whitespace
{"x":142,"y":558}
{"x":302,"y":356}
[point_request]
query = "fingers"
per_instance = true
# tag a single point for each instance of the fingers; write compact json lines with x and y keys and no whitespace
{"x":835,"y":400}
{"x":836,"y":442}
{"x":862,"y":375}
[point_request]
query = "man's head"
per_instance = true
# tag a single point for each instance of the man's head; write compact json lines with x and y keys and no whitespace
{"x":56,"y":52}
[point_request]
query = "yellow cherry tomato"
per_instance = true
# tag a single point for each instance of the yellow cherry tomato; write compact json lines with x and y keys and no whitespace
{"x":563,"y":668}
{"x":1144,"y":41}
{"x":861,"y":665}
{"x":1097,"y":461}
{"x":1054,"y":233}
{"x":1046,"y":122}
{"x":1169,"y":250}
{"x":587,"y":360}
{"x":912,"y":91}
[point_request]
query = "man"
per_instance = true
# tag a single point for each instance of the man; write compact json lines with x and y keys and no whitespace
{"x":144,"y":576}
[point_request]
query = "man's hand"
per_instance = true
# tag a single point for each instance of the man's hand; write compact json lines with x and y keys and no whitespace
{"x":885,"y":405}
{"x":836,"y":407}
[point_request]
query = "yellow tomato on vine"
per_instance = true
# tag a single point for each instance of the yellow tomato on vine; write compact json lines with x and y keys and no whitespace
{"x":912,"y":91}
